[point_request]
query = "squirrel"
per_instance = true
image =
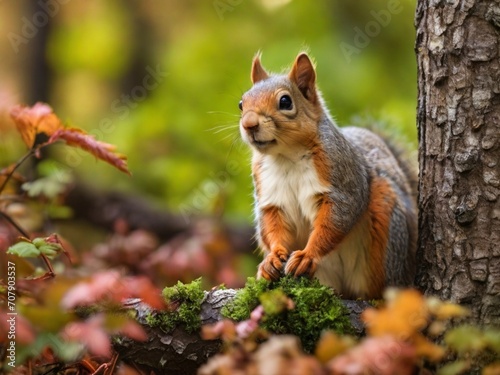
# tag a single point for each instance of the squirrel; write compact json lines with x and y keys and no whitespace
{"x":338,"y":204}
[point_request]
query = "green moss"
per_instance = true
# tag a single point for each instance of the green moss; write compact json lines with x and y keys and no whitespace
{"x":185,"y":302}
{"x":274,"y":301}
{"x":317,"y":308}
{"x":246,"y":300}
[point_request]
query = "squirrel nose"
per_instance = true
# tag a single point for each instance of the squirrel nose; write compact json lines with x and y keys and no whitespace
{"x":250,"y":122}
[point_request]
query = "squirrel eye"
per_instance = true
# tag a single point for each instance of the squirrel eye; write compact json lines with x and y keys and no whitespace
{"x":286,"y":102}
{"x":240,"y":105}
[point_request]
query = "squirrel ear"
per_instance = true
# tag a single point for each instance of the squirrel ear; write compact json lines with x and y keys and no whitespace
{"x":258,"y":72}
{"x":304,"y":76}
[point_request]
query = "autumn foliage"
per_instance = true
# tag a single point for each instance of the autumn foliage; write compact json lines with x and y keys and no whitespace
{"x":45,"y":300}
{"x":39,"y":119}
{"x":69,"y":303}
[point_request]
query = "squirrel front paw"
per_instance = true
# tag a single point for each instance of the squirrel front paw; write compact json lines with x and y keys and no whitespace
{"x":272,"y":265}
{"x":301,"y":263}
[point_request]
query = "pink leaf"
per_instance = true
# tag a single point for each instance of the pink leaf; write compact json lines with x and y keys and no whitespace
{"x":91,"y":334}
{"x":133,"y":330}
{"x":143,"y":288}
{"x":110,"y":286}
{"x":15,"y":326}
{"x":376,"y":355}
{"x":103,"y":285}
{"x":101,"y":150}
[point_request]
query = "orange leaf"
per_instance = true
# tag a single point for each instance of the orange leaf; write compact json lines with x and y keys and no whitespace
{"x":405,"y":315}
{"x":224,"y":329}
{"x":31,"y":121}
{"x":104,"y":151}
{"x":427,"y":349}
{"x":331,"y":345}
{"x":443,"y":310}
{"x":492,"y":369}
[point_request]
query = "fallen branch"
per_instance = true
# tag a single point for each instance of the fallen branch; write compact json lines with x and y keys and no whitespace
{"x":179,"y":352}
{"x":105,"y":208}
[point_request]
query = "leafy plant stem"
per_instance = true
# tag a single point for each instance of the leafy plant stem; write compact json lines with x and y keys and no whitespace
{"x":108,"y":367}
{"x":14,"y":224}
{"x":25,"y":234}
{"x":87,"y":365}
{"x":46,"y":260}
{"x":30,"y":153}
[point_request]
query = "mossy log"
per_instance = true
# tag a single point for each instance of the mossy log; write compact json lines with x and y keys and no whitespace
{"x":180,"y":352}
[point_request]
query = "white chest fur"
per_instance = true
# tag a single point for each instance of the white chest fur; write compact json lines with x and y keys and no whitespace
{"x":292,"y":186}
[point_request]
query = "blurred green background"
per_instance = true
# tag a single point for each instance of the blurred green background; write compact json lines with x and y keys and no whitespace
{"x":162,"y":81}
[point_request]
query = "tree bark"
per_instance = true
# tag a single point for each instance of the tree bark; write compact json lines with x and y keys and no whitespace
{"x":182,"y":353}
{"x":459,"y":124}
{"x":176,"y":352}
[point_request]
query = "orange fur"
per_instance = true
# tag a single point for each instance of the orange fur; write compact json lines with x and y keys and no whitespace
{"x":276,"y":230}
{"x":322,"y":164}
{"x":276,"y":236}
{"x":325,"y":235}
{"x":323,"y":239}
{"x":258,"y":72}
{"x":304,"y":75}
{"x":382,"y":202}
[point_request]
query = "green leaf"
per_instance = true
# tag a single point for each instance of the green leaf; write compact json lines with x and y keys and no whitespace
{"x":50,"y":250}
{"x":465,"y":339}
{"x":33,"y":249}
{"x":66,"y":351}
{"x":50,"y":186}
{"x":454,"y":368}
{"x":24,"y":249}
{"x":59,"y":212}
{"x":492,"y":337}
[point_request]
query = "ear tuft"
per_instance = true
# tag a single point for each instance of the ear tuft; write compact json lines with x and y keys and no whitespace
{"x":304,"y":76}
{"x":258,"y":72}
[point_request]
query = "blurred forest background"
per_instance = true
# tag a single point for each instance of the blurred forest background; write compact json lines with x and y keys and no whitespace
{"x":162,"y":82}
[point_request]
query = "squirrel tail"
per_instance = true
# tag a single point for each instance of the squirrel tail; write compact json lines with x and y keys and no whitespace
{"x":411,"y":172}
{"x":408,"y":168}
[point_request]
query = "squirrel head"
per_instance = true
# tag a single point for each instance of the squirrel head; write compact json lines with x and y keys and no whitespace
{"x":280,"y":113}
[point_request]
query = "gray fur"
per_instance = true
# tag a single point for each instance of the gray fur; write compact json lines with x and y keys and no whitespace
{"x":350,"y":177}
{"x":384,"y":162}
{"x":357,"y":153}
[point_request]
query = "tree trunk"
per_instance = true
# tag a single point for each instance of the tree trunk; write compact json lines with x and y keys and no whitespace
{"x":459,"y":124}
